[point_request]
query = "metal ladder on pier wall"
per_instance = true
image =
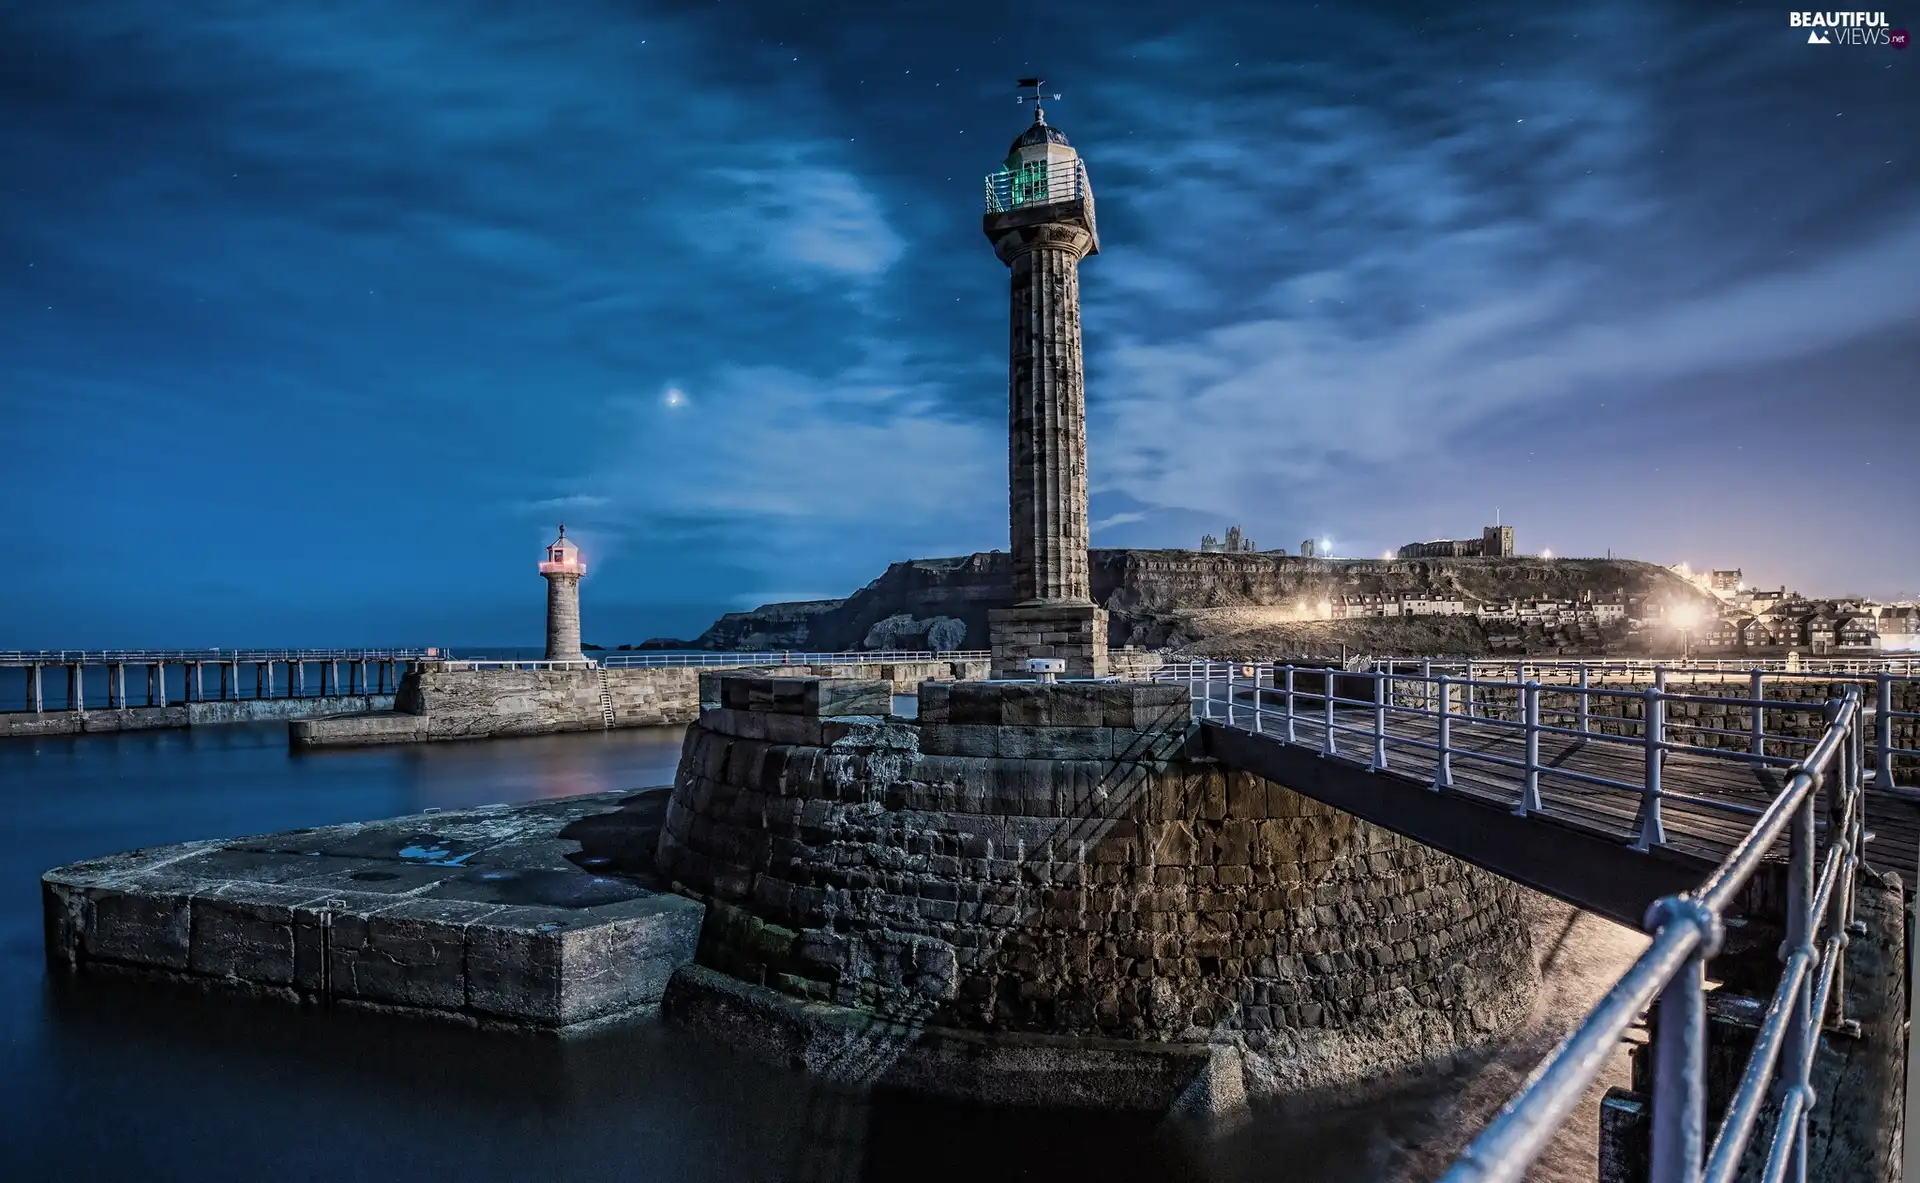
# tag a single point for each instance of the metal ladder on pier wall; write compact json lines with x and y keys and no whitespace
{"x":606,"y":702}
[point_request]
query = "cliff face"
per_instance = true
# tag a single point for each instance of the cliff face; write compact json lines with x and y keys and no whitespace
{"x":944,"y":602}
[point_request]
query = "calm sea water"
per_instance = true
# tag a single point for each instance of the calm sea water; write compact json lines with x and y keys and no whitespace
{"x":112,"y":1082}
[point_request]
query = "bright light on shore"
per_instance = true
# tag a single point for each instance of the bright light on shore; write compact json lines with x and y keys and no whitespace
{"x":1546,"y":554}
{"x":1684,"y":616}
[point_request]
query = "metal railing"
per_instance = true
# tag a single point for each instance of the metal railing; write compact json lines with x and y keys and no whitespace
{"x":1686,"y":929}
{"x":1597,"y":706}
{"x":147,"y":656}
{"x":1904,"y":667}
{"x":1060,"y":180}
{"x":618,"y":660}
{"x":1671,"y":975}
{"x":509,"y":663}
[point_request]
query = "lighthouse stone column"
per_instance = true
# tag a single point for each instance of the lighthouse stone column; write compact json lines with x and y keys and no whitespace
{"x":1046,"y":230}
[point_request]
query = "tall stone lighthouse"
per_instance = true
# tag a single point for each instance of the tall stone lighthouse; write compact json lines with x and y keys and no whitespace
{"x":563,"y":568}
{"x":1040,"y":220}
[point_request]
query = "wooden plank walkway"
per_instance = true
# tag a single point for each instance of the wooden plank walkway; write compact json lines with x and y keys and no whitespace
{"x":1709,"y":801}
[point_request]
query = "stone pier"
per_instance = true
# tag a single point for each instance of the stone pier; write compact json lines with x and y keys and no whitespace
{"x":1053,"y":899}
{"x":542,"y":916}
{"x":132,"y":692}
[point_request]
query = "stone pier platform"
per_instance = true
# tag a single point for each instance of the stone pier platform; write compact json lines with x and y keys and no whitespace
{"x":544,"y":915}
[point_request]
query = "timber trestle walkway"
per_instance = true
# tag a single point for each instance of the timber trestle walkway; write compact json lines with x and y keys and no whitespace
{"x":1647,"y":803}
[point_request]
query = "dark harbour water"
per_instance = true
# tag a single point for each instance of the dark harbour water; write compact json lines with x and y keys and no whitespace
{"x":112,"y":1082}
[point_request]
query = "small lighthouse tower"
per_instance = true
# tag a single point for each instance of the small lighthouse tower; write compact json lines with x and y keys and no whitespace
{"x":1039,"y":218}
{"x":563,"y":568}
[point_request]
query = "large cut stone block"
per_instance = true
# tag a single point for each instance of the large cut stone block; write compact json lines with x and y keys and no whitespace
{"x":1133,"y":706}
{"x":1075,"y":633}
{"x":816,"y":697}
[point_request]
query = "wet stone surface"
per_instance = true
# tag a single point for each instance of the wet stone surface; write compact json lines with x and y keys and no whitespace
{"x":546,"y":915}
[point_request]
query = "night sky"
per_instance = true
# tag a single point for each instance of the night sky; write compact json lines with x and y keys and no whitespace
{"x":317,"y":317}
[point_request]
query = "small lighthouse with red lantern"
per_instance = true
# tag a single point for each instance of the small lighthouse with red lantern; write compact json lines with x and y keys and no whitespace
{"x":563,"y":568}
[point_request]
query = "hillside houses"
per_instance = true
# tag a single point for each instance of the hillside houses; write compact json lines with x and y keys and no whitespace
{"x":1587,"y":609}
{"x":1783,"y":620}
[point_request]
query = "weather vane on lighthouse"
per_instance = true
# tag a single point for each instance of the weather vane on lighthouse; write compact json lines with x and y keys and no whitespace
{"x":1034,"y":85}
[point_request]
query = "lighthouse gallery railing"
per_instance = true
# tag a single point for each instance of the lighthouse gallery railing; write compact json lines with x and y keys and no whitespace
{"x":1686,"y":930}
{"x":1060,"y":180}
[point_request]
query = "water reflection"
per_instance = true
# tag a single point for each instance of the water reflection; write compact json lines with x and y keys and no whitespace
{"x":108,"y":1082}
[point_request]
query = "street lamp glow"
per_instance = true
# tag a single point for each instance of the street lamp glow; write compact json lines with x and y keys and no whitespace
{"x":1546,"y":554}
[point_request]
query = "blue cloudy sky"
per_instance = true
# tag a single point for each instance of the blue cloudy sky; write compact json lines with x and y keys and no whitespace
{"x":317,"y":317}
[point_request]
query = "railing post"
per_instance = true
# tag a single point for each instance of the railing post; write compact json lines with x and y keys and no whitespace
{"x":1585,"y":703}
{"x":1530,"y":713}
{"x":1758,"y":679}
{"x":1443,"y":770}
{"x":1382,"y":687}
{"x":1801,"y":1036}
{"x":1680,"y":1070}
{"x":1843,"y":804}
{"x":1653,"y":735}
{"x":1291,"y":738}
{"x":1470,"y":682}
{"x":1883,"y":730}
{"x":1327,"y":745}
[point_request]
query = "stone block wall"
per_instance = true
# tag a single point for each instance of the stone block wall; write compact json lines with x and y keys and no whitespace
{"x":1075,"y":633}
{"x":471,"y":703}
{"x":1050,"y":858}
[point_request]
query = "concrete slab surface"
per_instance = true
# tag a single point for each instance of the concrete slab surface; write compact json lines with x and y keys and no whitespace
{"x":543,"y":915}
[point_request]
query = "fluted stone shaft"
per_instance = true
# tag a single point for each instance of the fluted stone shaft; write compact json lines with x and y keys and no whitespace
{"x":1047,"y":413}
{"x":563,"y":616}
